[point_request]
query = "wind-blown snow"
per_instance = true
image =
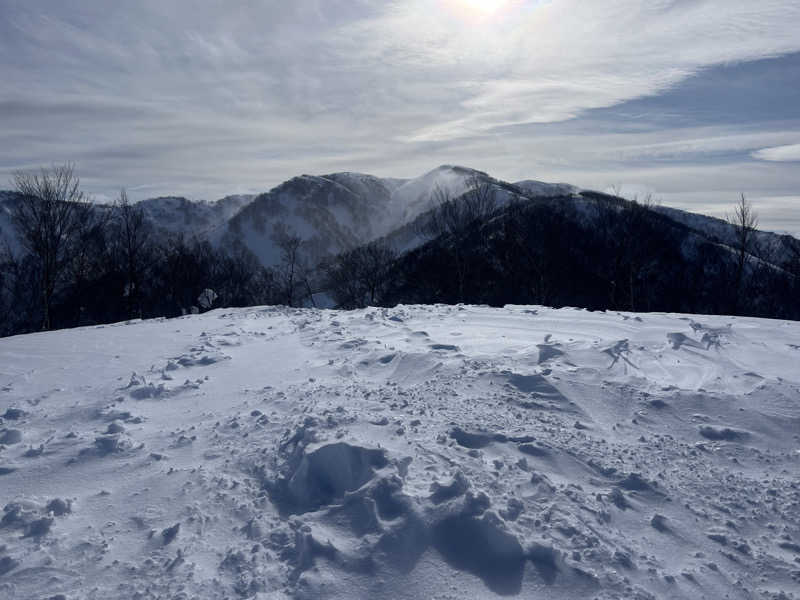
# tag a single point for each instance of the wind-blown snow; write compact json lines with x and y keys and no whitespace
{"x":539,"y":188}
{"x":192,"y":218}
{"x":415,"y":452}
{"x":417,"y":195}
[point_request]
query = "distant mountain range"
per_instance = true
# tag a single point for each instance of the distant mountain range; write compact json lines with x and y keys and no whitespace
{"x":336,"y":212}
{"x":541,"y":243}
{"x":330,"y":213}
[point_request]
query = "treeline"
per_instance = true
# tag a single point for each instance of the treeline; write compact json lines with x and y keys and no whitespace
{"x":598,"y":252}
{"x":81,"y":264}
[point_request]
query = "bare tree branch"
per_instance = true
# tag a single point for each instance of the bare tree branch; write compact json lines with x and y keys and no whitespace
{"x":49,"y":216}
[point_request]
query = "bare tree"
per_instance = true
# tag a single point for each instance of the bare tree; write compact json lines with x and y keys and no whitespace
{"x":744,"y":221}
{"x":528,"y":258}
{"x":48,"y":217}
{"x":453,"y":216}
{"x":86,"y":251}
{"x":293,"y":270}
{"x":480,"y":198}
{"x":132,"y":233}
{"x":6,"y":279}
{"x":360,"y":277}
{"x":634,"y":241}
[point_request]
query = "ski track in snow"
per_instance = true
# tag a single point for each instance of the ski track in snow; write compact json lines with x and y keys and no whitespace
{"x":415,"y":452}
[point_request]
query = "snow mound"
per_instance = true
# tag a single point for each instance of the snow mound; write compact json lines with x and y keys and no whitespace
{"x":325,"y":475}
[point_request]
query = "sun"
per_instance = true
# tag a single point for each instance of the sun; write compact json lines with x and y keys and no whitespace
{"x":485,"y":7}
{"x":481,"y":8}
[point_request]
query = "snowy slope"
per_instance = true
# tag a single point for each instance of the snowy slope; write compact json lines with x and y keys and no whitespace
{"x":775,"y":246}
{"x":329,"y":213}
{"x":416,"y":196}
{"x":415,"y":452}
{"x":190,"y":217}
{"x":337,"y":212}
{"x":533,"y":188}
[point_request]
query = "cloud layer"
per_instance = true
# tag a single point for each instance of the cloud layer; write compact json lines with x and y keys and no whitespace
{"x":219,"y":97}
{"x":788,"y":153}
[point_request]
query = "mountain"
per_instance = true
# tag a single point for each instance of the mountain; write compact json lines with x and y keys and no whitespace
{"x":600,"y":252}
{"x":404,"y":453}
{"x":534,"y":189}
{"x":540,"y":243}
{"x":779,"y":249}
{"x":329,"y":213}
{"x":191,"y":217}
{"x":168,"y":215}
{"x":337,"y":212}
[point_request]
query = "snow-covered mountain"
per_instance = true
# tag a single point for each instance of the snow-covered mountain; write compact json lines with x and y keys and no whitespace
{"x":770,"y":246}
{"x":414,"y":452}
{"x":192,"y":218}
{"x":334,"y":213}
{"x":329,"y":213}
{"x":538,"y":188}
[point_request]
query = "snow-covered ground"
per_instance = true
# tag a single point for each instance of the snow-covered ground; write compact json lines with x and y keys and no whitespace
{"x":416,"y":452}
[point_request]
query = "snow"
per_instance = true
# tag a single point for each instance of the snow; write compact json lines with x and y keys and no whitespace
{"x":415,"y":196}
{"x":415,"y":452}
{"x":533,"y":188}
{"x":192,"y":217}
{"x":337,"y":212}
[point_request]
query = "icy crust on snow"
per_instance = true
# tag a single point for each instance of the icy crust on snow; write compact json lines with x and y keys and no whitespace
{"x":416,"y":452}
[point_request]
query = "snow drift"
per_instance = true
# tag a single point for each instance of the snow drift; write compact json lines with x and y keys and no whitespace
{"x":414,"y":452}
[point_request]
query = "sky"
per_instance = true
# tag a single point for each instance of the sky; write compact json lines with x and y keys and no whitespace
{"x":690,"y":101}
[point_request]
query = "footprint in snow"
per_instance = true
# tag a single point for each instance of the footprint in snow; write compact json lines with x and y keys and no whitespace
{"x":445,"y":347}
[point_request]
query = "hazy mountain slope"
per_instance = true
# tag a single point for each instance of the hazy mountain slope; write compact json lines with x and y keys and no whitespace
{"x":774,"y":247}
{"x":455,"y":182}
{"x":589,"y":250}
{"x":416,"y":452}
{"x":190,"y":217}
{"x":538,"y":188}
{"x":329,"y":213}
{"x":168,"y":215}
{"x":416,"y":196}
{"x":336,"y":212}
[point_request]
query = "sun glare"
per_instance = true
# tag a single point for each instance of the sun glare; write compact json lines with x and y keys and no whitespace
{"x":479,"y":8}
{"x":486,"y":7}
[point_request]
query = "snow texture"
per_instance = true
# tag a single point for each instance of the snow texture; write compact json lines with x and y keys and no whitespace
{"x":415,"y":452}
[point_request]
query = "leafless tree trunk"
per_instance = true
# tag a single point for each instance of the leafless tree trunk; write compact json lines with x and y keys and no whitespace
{"x":48,"y":217}
{"x":634,"y":242}
{"x":360,"y":277}
{"x":454,"y":217}
{"x":480,"y":199}
{"x":527,"y":248}
{"x":745,"y":223}
{"x":86,"y":250}
{"x":132,"y":233}
{"x":292,"y":271}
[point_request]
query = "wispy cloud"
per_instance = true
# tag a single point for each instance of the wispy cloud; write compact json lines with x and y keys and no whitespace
{"x":787,"y":153}
{"x":205,"y":98}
